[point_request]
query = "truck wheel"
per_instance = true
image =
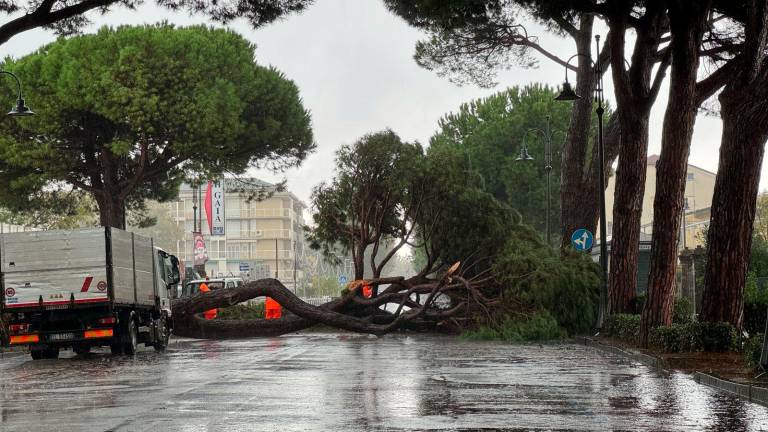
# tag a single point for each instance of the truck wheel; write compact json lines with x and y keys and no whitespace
{"x":165,"y":334}
{"x":131,"y":343}
{"x":36,"y":354}
{"x":116,"y":349}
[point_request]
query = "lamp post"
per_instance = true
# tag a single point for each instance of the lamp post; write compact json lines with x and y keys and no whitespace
{"x":567,"y":94}
{"x":547,"y":133}
{"x":20,"y":109}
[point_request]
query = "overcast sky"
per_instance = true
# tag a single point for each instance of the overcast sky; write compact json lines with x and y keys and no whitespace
{"x":352,"y":61}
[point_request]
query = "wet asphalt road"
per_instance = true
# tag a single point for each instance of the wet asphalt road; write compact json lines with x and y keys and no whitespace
{"x":332,"y":382}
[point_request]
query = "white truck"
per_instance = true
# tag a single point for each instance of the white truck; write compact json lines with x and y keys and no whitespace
{"x":83,"y":288}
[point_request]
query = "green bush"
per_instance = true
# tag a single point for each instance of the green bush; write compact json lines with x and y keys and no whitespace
{"x":565,"y":286}
{"x":622,"y":326}
{"x":242,"y":311}
{"x":755,"y":305}
{"x":682,"y":311}
{"x":752,"y":350}
{"x":695,"y":336}
{"x":541,"y":326}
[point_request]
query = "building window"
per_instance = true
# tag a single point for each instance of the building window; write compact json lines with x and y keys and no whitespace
{"x":690,"y":176}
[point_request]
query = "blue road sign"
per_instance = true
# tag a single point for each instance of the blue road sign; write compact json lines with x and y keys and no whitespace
{"x":582,"y":240}
{"x":342,"y":279}
{"x":244,"y":267}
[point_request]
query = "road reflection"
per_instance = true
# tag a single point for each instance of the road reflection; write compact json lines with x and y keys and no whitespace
{"x":324,"y":382}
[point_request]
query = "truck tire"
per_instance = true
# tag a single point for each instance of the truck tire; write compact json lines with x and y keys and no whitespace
{"x":131,"y":343}
{"x":116,"y":349}
{"x":164,"y":335}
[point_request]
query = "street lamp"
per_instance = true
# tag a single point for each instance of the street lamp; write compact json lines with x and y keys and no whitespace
{"x":524,"y":156}
{"x":567,"y":94}
{"x":20,"y":109}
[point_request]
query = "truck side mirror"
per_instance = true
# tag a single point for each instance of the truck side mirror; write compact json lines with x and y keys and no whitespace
{"x":175,"y":273}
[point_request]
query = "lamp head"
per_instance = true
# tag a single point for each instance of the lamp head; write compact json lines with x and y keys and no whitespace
{"x":524,"y":156}
{"x":21,"y":109}
{"x":567,"y":93}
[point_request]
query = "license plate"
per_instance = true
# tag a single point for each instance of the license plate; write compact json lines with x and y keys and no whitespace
{"x":61,"y":337}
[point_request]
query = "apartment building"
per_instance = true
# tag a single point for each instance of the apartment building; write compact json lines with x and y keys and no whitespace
{"x":262,"y":238}
{"x":699,"y":188}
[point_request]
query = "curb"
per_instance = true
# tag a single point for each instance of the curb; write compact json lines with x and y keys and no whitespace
{"x":754,"y":394}
{"x":645,"y":359}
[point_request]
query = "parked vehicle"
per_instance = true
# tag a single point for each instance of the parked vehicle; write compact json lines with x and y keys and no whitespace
{"x":192,"y":288}
{"x":83,"y":288}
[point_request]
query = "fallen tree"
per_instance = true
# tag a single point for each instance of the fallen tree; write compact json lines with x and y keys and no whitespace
{"x":352,"y":312}
{"x":388,"y":195}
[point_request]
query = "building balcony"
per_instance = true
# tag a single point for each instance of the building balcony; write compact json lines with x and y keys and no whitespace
{"x":260,"y":255}
{"x":269,"y":213}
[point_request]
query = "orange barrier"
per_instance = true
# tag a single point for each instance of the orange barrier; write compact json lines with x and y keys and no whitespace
{"x":210,"y":313}
{"x":273,"y":310}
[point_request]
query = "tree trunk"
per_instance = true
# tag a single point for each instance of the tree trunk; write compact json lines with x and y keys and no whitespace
{"x":745,"y":131}
{"x":627,"y":211}
{"x":111,"y":210}
{"x":636,"y":90}
{"x":687,"y":24}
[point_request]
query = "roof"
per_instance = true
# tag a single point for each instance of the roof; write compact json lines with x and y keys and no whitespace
{"x":654,"y":159}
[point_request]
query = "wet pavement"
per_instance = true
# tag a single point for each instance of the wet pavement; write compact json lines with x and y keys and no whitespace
{"x":342,"y":382}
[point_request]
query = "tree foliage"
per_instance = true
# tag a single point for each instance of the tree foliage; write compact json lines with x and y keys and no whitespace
{"x":67,"y":17}
{"x":147,"y":107}
{"x":485,"y":137}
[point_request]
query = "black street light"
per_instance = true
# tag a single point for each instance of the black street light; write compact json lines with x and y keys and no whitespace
{"x":20,"y":109}
{"x":567,"y":94}
{"x":547,"y":133}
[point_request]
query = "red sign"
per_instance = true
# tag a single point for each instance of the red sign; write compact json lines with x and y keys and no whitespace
{"x":10,"y":292}
{"x":199,"y":252}
{"x":101,"y":285}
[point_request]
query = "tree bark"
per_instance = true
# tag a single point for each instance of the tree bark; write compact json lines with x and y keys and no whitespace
{"x":687,"y":25}
{"x":111,"y":210}
{"x":627,"y":211}
{"x":729,"y":237}
{"x":744,"y":111}
{"x":636,"y":90}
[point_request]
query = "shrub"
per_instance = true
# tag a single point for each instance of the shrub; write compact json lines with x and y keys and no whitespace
{"x":682,"y":311}
{"x":695,"y":336}
{"x":242,"y":311}
{"x":565,"y":286}
{"x":718,"y":337}
{"x":752,"y":350}
{"x":622,"y":326}
{"x":755,"y":305}
{"x":540,"y":326}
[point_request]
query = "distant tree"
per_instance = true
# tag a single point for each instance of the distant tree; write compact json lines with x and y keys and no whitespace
{"x":64,"y":209}
{"x":146,"y":108}
{"x":371,"y":200}
{"x":489,"y":133}
{"x":155,"y":221}
{"x":67,"y":17}
{"x":471,"y":40}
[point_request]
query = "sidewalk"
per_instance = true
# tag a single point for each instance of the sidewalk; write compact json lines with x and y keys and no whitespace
{"x":723,"y":371}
